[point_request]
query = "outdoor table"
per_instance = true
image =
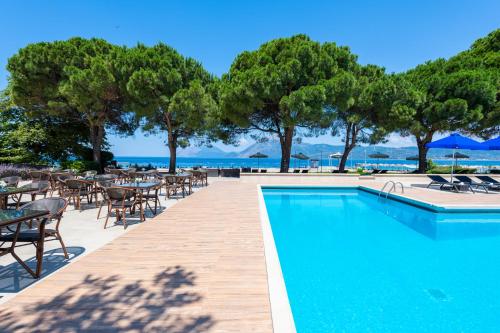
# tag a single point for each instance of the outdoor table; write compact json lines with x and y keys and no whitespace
{"x":10,"y":218}
{"x":5,"y":192}
{"x":139,"y":188}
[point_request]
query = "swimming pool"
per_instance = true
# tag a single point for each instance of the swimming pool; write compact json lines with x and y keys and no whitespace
{"x":353,"y":262}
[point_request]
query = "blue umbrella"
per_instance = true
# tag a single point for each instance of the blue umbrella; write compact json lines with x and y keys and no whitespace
{"x":456,"y":141}
{"x":491,"y":144}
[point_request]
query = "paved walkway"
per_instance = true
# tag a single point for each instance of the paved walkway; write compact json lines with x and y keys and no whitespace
{"x":198,"y":267}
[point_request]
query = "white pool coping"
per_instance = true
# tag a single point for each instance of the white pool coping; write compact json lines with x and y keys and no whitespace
{"x":281,"y":311}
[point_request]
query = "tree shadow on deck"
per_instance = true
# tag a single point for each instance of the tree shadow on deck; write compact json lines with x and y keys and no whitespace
{"x":110,"y":304}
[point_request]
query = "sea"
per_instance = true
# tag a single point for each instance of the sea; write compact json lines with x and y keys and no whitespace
{"x":389,"y":164}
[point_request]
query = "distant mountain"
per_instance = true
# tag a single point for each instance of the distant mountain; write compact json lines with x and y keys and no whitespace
{"x":273,"y":150}
{"x":207,"y":152}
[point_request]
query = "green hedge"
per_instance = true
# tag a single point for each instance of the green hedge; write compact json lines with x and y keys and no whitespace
{"x":447,"y":169}
{"x":80,"y":165}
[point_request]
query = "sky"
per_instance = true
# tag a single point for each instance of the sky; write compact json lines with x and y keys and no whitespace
{"x":395,"y":34}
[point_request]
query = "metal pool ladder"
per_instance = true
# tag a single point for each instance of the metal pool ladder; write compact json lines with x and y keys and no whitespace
{"x":393,"y":187}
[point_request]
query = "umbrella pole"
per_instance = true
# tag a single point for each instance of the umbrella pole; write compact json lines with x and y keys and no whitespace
{"x":452,"y":164}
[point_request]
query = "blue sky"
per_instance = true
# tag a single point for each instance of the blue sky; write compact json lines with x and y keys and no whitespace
{"x":395,"y":34}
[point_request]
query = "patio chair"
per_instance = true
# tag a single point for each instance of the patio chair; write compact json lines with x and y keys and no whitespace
{"x":152,"y":195}
{"x":472,"y":183}
{"x":75,"y":190}
{"x":444,"y":184}
{"x":101,"y":187}
{"x":119,"y":200}
{"x":56,"y":208}
{"x":175,"y":184}
{"x":489,"y":180}
{"x":246,"y":170}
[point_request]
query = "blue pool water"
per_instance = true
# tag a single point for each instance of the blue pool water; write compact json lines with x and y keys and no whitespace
{"x":355,"y":263}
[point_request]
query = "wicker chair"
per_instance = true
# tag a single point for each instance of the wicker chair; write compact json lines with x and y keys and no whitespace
{"x":119,"y":200}
{"x":56,"y":208}
{"x":102,"y":186}
{"x":152,"y":194}
{"x":39,"y":175}
{"x":75,"y":190}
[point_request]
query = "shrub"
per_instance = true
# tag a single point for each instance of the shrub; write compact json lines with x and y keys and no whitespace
{"x":447,"y":169}
{"x":80,"y":165}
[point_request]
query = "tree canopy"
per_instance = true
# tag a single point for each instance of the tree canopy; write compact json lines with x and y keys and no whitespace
{"x":279,"y":89}
{"x":365,"y":101}
{"x":78,"y":80}
{"x":459,"y":94}
{"x":170,"y":94}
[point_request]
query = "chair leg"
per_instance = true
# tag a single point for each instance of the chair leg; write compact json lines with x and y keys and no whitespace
{"x":58,"y":235}
{"x":39,"y":257}
{"x":107,"y":216}
{"x":124,"y":220}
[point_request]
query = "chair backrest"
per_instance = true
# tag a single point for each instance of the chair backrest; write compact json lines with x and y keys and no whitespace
{"x":488,"y":179}
{"x":105,"y":184}
{"x":38,"y":175}
{"x":55,"y":206}
{"x":11,"y":181}
{"x":464,"y":179}
{"x":75,"y":184}
{"x":117,"y":193}
{"x":107,"y":177}
{"x":438,"y":179}
{"x":90,"y":173}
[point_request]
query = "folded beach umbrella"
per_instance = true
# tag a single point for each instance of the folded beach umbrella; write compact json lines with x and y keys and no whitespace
{"x":455,"y":141}
{"x":378,"y":156}
{"x":457,"y":156}
{"x":258,"y":156}
{"x":300,"y":157}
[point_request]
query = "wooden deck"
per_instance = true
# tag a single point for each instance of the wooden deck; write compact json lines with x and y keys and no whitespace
{"x":198,"y":267}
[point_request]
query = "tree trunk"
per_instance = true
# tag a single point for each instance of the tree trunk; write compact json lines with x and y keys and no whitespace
{"x":422,"y":152}
{"x":96,"y":139}
{"x":350,"y":143}
{"x":286,"y":148}
{"x":172,"y":147}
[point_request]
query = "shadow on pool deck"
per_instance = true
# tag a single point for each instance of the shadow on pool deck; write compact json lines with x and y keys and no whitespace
{"x":14,"y":278}
{"x":107,"y":304}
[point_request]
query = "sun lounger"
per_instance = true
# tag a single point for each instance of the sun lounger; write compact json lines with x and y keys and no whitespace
{"x":466,"y":179}
{"x":305,"y":171}
{"x":488,"y":179}
{"x":263,"y":170}
{"x":296,"y":170}
{"x":444,"y":184}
